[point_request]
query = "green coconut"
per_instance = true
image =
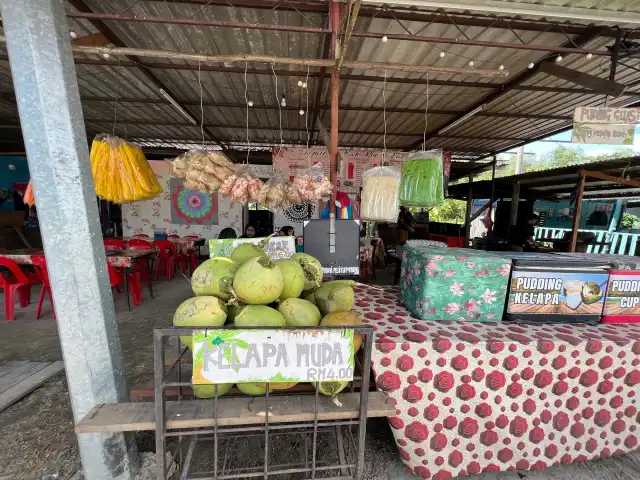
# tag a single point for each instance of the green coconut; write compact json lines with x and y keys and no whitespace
{"x":232,"y":311}
{"x":254,"y":389}
{"x":204,"y":311}
{"x":214,"y":277}
{"x":310,"y":297}
{"x":292,"y":276}
{"x":209,"y":391}
{"x":259,"y":316}
{"x":332,"y":388}
{"x":312,"y":270}
{"x":258,"y":282}
{"x":300,"y":313}
{"x":246,"y":251}
{"x":334,"y":297}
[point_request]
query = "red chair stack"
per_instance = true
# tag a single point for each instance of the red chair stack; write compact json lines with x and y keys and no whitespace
{"x":40,"y":265}
{"x":193,"y":256}
{"x":168,"y":258}
{"x":141,"y":235}
{"x":14,"y":281}
{"x":114,"y":244}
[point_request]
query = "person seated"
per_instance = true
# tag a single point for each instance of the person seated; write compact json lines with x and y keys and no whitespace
{"x":227,"y":233}
{"x":287,"y":231}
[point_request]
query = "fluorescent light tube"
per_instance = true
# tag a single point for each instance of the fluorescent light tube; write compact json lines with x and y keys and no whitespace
{"x":175,"y":104}
{"x":463,"y":119}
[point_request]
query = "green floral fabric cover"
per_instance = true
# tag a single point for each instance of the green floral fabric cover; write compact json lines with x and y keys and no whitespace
{"x":439,"y":283}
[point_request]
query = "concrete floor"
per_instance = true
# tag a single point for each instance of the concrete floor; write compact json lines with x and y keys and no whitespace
{"x":37,"y":437}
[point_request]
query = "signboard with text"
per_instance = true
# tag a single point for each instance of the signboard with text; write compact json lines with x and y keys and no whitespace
{"x":557,"y":292}
{"x":278,"y":247}
{"x":603,"y":125}
{"x":623,"y":295}
{"x":258,"y":356}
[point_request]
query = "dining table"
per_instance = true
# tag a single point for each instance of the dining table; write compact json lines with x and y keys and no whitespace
{"x":183,"y":245}
{"x":124,"y":259}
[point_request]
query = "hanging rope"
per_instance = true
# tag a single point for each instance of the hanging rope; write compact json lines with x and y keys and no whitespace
{"x":306,"y":116}
{"x":201,"y":108}
{"x":384,"y":117}
{"x":115,"y":105}
{"x":279,"y":117}
{"x":246,"y":102}
{"x":426,"y":120}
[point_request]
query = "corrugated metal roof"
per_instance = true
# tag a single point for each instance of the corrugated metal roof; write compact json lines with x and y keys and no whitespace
{"x":141,"y":111}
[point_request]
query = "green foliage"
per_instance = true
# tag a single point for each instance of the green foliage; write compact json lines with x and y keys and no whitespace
{"x":451,"y":211}
{"x":629,"y":221}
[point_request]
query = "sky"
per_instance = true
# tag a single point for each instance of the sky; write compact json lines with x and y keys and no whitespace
{"x":551,"y":143}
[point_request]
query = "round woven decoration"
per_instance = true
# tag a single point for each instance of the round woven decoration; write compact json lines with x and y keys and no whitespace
{"x":299,"y":213}
{"x":193,"y":206}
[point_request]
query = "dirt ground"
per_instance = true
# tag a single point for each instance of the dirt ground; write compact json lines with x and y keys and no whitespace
{"x":37,"y":437}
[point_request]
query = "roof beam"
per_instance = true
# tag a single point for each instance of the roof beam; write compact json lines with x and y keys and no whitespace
{"x":597,"y":84}
{"x":466,"y":18}
{"x":81,"y":6}
{"x":506,"y":87}
{"x":345,"y":77}
{"x":346,"y":35}
{"x":537,"y":10}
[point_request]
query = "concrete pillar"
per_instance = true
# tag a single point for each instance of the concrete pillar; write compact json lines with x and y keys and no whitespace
{"x":48,"y":100}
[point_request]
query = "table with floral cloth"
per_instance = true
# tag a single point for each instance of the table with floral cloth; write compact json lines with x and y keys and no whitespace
{"x":183,"y":245}
{"x":474,"y":397}
{"x":126,"y":258}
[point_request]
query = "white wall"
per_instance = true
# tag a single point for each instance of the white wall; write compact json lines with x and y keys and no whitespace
{"x":144,"y":217}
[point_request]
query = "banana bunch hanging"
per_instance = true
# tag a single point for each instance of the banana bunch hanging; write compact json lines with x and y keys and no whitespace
{"x":121,"y":172}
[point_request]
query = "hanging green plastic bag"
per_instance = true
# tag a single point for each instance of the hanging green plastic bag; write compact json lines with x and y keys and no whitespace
{"x":422,"y":179}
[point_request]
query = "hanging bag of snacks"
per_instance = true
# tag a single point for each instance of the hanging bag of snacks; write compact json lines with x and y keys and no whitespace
{"x":121,"y":172}
{"x":204,"y":171}
{"x":380,"y":191}
{"x":422,"y":179}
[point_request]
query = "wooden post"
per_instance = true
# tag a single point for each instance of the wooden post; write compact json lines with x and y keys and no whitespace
{"x":467,"y":232}
{"x":577,"y":211}
{"x":335,"y":84}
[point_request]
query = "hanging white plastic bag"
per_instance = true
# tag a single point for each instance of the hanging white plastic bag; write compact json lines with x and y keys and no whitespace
{"x":380,"y":194}
{"x":422,"y":179}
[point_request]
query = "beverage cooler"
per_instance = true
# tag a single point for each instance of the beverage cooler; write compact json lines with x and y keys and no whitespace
{"x":622,"y":301}
{"x":548,"y":288}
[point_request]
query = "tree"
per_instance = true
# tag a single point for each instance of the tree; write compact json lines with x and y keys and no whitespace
{"x":451,"y":211}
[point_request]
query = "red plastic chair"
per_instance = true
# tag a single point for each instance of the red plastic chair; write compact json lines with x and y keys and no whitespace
{"x":114,"y":244}
{"x":168,"y":258}
{"x":117,"y":278}
{"x":139,"y":244}
{"x":16,"y":280}
{"x":141,"y":235}
{"x":40,"y":265}
{"x":194,"y":255}
{"x":173,"y":235}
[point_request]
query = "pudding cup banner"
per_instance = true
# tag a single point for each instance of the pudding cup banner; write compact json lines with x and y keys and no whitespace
{"x":275,"y":356}
{"x":557,"y":292}
{"x":623,"y":295}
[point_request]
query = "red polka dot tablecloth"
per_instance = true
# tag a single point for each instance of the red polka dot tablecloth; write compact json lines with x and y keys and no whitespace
{"x":474,"y":397}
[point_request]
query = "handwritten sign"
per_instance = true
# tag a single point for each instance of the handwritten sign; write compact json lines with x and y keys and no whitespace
{"x":278,"y":247}
{"x":258,"y":356}
{"x":288,"y":161}
{"x":602,"y":125}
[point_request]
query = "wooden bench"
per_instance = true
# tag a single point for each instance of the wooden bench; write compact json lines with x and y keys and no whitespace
{"x":129,"y":417}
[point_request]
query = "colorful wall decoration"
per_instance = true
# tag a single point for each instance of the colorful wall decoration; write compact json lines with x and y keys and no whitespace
{"x":192,"y":207}
{"x":146,"y":216}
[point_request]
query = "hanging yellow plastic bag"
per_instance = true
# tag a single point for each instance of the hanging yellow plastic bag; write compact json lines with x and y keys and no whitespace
{"x":121,"y":172}
{"x":380,"y":194}
{"x":422,"y":179}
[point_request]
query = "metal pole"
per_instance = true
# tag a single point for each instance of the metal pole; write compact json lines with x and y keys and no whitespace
{"x":467,"y":232}
{"x":577,"y":211}
{"x":491,"y":200}
{"x":48,"y":100}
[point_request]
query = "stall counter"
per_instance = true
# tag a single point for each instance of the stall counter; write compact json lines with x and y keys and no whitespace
{"x":474,"y":397}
